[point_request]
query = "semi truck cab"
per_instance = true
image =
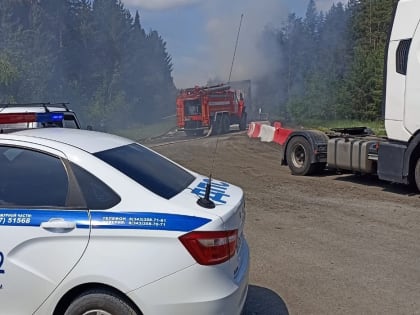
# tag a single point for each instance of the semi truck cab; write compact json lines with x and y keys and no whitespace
{"x":402,"y":96}
{"x":395,"y":158}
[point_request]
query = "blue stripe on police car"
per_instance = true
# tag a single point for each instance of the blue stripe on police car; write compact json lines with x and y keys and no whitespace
{"x":103,"y":219}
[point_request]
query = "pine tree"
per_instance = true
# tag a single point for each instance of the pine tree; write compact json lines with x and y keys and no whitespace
{"x":371,"y":23}
{"x":159,"y":70}
{"x":134,"y":69}
{"x":92,"y":53}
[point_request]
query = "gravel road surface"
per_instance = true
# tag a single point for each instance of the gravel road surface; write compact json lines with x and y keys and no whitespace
{"x":330,"y":244}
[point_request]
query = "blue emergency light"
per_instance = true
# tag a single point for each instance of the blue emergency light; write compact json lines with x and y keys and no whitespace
{"x":49,"y":117}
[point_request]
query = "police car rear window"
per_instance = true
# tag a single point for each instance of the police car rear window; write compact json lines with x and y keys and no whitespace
{"x":149,"y":169}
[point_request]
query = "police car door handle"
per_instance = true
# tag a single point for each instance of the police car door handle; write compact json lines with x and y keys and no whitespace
{"x":58,"y":225}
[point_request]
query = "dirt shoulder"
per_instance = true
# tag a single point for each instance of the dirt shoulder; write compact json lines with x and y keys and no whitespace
{"x":331,"y":244}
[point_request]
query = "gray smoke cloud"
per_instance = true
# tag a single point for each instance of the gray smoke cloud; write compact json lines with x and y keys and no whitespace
{"x":211,"y":56}
{"x":159,"y":4}
{"x":222,"y":28}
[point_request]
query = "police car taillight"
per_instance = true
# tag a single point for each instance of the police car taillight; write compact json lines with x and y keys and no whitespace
{"x":15,"y":118}
{"x":211,"y":248}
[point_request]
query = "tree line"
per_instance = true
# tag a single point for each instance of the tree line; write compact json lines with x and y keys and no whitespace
{"x":93,"y":54}
{"x":330,"y":65}
{"x":97,"y":56}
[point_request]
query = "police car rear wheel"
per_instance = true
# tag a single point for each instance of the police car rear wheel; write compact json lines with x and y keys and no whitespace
{"x":99,"y":302}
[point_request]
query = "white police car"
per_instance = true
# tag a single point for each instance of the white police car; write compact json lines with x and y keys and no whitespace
{"x":92,"y":223}
{"x":36,"y":115}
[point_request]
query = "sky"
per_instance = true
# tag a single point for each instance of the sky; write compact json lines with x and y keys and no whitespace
{"x":201,"y":35}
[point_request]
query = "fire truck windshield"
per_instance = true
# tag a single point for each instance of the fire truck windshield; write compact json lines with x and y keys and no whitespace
{"x":192,"y":107}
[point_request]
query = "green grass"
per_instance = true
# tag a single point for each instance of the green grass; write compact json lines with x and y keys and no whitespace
{"x":154,"y":130}
{"x":147,"y":131}
{"x":378,"y":127}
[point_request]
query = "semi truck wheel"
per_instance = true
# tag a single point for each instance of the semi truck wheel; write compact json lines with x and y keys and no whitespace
{"x":417,"y":174}
{"x":298,"y":157}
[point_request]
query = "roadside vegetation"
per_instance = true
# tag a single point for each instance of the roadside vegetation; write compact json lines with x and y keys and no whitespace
{"x":327,"y":66}
{"x":146,"y":131}
{"x":376,"y":126}
{"x":94,"y":54}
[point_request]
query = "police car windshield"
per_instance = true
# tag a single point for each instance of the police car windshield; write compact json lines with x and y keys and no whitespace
{"x":149,"y":169}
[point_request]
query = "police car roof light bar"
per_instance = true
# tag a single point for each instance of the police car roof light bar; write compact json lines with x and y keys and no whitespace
{"x":40,"y":104}
{"x":13,"y":118}
{"x":62,"y":104}
{"x":46,"y":105}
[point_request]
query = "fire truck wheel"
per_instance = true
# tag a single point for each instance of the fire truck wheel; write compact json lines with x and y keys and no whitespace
{"x":242,"y":123}
{"x":218,"y":128}
{"x":190,"y":133}
{"x":225,"y":124}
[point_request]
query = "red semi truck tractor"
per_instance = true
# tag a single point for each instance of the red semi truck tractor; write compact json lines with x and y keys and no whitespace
{"x":213,"y":109}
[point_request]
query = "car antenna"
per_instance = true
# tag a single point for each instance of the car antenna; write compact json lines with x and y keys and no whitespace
{"x":236,"y":45}
{"x":205,"y":201}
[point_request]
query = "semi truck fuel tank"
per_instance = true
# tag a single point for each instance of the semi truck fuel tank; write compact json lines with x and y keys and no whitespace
{"x":350,"y":154}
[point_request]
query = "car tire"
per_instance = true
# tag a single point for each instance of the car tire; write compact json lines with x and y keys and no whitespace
{"x":95,"y":302}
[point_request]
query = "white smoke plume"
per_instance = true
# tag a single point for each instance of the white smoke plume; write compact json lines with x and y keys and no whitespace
{"x":211,"y":57}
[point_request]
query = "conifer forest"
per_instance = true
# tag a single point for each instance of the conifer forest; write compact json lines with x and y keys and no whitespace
{"x":96,"y":55}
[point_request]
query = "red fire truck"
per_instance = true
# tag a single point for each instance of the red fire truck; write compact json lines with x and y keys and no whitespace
{"x":212,"y":108}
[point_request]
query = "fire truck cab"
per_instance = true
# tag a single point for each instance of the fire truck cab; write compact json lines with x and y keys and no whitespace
{"x":214,"y":108}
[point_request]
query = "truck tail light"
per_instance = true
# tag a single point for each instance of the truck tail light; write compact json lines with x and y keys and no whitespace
{"x":211,"y":248}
